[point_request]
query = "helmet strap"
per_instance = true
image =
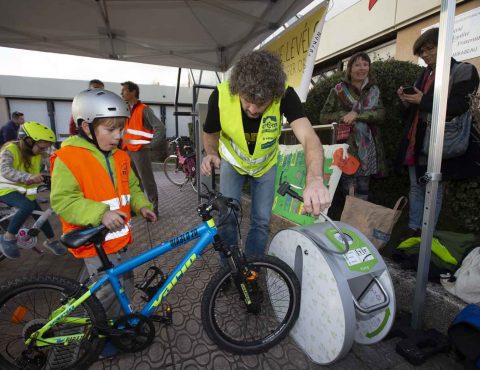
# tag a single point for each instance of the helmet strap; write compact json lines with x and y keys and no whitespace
{"x":93,"y":139}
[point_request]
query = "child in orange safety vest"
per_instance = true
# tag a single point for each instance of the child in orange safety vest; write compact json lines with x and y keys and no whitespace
{"x":92,"y":183}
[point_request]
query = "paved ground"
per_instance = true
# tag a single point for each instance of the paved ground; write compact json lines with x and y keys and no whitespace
{"x":184,"y":344}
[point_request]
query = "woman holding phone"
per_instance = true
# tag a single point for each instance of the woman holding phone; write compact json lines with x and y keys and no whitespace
{"x":418,"y":103}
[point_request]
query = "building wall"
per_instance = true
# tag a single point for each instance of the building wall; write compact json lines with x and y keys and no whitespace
{"x":357,"y":25}
{"x":30,"y":96}
{"x":407,"y":35}
{"x":388,"y":30}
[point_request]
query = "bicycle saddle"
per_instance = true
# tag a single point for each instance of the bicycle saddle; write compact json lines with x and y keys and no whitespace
{"x":84,"y":236}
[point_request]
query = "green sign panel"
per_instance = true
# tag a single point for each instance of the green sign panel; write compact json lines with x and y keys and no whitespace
{"x":291,"y":168}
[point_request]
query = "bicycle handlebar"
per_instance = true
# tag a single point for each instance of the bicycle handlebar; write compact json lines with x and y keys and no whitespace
{"x":217,"y":202}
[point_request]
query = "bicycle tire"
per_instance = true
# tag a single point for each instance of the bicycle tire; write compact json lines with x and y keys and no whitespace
{"x":223,"y":308}
{"x":173,"y":171}
{"x":25,"y":305}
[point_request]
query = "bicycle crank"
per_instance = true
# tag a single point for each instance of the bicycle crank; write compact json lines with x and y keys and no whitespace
{"x":140,"y":333}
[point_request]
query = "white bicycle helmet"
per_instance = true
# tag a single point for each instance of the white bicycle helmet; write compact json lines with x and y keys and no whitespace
{"x":97,"y":103}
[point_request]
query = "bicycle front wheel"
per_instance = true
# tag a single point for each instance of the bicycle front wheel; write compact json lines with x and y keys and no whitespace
{"x":26,"y":305}
{"x":173,"y":171}
{"x":249,"y":329}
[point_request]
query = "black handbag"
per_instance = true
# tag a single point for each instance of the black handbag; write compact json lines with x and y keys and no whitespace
{"x":456,"y":136}
{"x":457,"y":131}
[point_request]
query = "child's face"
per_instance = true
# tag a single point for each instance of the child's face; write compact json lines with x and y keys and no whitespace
{"x":41,"y":146}
{"x":108,"y":136}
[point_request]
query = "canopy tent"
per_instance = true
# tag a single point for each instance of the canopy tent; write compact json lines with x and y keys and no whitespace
{"x":199,"y":34}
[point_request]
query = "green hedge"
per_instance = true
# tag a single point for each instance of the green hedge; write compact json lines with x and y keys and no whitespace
{"x":462,"y":198}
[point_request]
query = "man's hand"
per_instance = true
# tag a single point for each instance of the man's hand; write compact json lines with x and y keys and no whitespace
{"x":316,"y":197}
{"x":114,"y":219}
{"x":350,"y":118}
{"x":208,"y":162}
{"x":148,"y":215}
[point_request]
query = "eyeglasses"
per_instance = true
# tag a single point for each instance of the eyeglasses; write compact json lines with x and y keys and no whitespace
{"x":43,"y":147}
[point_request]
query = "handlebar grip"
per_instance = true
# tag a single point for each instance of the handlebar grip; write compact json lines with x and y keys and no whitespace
{"x":220,"y":204}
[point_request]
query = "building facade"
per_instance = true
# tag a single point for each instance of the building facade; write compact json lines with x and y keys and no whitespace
{"x":389,"y":29}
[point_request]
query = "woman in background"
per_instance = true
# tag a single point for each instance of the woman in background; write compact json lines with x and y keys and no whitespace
{"x":418,"y":103}
{"x":355,"y":105}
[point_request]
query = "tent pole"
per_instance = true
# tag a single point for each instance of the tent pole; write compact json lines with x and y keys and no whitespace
{"x":177,"y":92}
{"x":433,"y":175}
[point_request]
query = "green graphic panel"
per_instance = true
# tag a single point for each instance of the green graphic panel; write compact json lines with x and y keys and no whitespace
{"x":359,"y":257}
{"x":291,"y":168}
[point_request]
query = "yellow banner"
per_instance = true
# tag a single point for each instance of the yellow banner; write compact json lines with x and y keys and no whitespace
{"x":295,"y":43}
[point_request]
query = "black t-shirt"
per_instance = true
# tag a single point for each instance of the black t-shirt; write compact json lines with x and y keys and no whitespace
{"x":290,"y":106}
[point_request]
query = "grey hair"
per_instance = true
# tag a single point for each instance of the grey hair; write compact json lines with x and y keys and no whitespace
{"x":258,"y":77}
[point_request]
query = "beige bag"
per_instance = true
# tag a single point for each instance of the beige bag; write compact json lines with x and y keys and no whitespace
{"x":374,"y":221}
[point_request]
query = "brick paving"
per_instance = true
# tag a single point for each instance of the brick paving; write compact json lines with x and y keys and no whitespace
{"x":184,"y":344}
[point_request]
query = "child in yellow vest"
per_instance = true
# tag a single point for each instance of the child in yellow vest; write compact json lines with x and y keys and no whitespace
{"x":20,"y":163}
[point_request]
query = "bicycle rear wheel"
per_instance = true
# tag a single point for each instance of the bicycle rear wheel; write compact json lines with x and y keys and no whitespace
{"x":173,"y":171}
{"x":275,"y":293}
{"x":25,"y":306}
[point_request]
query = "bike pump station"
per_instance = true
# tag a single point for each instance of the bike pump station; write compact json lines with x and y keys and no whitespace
{"x":346,"y":297}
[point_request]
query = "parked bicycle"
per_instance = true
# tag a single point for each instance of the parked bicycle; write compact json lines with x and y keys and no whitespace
{"x":180,"y":168}
{"x":26,"y":236}
{"x":48,"y":321}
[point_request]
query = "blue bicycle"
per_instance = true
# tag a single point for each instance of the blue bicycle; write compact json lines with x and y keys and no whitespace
{"x":50,"y":322}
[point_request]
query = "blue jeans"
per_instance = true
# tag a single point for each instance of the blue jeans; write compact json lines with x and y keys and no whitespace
{"x":262,"y":193}
{"x":417,"y":201}
{"x":25,"y":207}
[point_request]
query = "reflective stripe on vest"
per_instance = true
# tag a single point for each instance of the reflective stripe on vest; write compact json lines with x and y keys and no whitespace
{"x":232,"y":160}
{"x":7,"y":186}
{"x":136,"y":134}
{"x":116,"y":203}
{"x":96,"y":184}
{"x":233,"y":146}
{"x":145,"y":134}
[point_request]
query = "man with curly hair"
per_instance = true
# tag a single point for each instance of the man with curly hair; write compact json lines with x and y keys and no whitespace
{"x":241,"y":137}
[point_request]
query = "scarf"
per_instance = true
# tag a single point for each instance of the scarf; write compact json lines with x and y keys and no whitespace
{"x":426,"y":84}
{"x":360,"y":101}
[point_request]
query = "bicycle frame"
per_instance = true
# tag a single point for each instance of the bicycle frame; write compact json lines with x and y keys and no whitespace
{"x":205,"y":232}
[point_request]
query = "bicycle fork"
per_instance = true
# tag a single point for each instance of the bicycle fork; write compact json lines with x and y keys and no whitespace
{"x":245,"y":279}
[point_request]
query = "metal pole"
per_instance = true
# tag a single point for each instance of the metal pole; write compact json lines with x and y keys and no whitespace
{"x":177,"y":92}
{"x":433,"y":175}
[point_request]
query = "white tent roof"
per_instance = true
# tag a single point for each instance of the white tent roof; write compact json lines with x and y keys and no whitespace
{"x":200,"y":34}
